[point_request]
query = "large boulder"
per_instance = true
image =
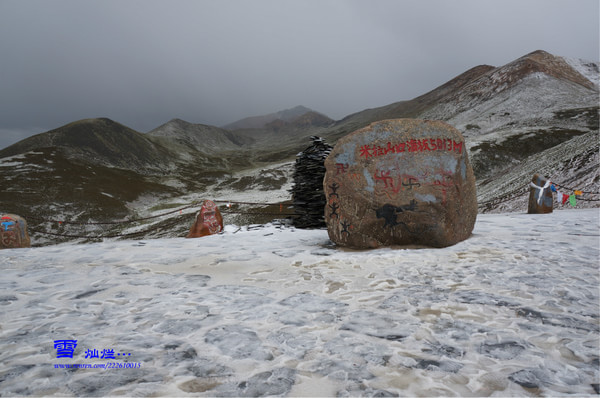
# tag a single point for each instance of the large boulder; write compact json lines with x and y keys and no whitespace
{"x":209,"y":221}
{"x":400,"y":182}
{"x":13,"y":232}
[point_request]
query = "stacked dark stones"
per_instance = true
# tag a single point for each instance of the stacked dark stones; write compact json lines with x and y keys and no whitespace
{"x":307,"y":192}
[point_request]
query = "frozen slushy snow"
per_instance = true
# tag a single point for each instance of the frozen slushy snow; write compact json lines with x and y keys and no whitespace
{"x":512,"y":311}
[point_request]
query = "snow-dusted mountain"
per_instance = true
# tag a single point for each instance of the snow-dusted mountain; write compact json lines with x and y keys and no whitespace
{"x":532,"y":108}
{"x":537,"y":114}
{"x":538,"y":92}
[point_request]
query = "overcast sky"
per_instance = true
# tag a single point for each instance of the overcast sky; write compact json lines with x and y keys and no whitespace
{"x":144,"y":62}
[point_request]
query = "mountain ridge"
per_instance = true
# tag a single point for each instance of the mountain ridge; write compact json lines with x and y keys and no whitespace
{"x":201,"y":137}
{"x":260,"y":121}
{"x":512,"y":116}
{"x":101,"y":141}
{"x":467,"y":87}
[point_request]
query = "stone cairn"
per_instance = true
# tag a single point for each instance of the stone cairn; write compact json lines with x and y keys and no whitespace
{"x":308,"y":197}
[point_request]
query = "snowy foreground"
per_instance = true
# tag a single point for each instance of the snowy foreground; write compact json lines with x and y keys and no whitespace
{"x":512,"y":311}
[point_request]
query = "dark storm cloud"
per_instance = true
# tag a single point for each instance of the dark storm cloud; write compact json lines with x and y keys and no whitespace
{"x":143,"y":63}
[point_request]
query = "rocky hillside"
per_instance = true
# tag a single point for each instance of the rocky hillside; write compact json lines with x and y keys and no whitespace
{"x":531,"y":108}
{"x":487,"y":99}
{"x":509,"y":114}
{"x":537,"y":114}
{"x":538,"y":93}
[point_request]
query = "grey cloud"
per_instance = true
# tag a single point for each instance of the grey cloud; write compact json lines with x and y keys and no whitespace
{"x":143,"y":63}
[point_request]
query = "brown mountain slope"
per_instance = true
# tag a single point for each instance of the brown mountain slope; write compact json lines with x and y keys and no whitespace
{"x":99,"y":141}
{"x":472,"y":88}
{"x":407,"y":109}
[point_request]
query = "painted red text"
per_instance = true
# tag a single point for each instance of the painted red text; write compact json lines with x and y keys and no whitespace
{"x":413,"y":145}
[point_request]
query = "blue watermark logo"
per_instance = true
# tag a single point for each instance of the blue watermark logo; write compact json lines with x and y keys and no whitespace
{"x":66,"y":349}
{"x":104,"y":354}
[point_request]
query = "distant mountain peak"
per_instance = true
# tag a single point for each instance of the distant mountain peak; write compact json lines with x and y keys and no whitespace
{"x":90,"y":122}
{"x":289,"y":114}
{"x":178,"y":121}
{"x":312,"y":118}
{"x":540,"y":61}
{"x":261,"y":121}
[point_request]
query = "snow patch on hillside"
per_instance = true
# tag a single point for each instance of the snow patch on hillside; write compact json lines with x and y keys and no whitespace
{"x":589,"y":69}
{"x":254,"y":192}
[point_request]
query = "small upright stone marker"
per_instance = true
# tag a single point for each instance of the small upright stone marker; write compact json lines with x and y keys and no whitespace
{"x":209,"y":221}
{"x":400,"y":182}
{"x":540,"y":196}
{"x":13,"y":232}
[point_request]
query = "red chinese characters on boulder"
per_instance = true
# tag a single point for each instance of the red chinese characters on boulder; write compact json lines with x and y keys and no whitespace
{"x":209,"y":221}
{"x":392,"y":184}
{"x":13,"y":232}
{"x":412,"y":145}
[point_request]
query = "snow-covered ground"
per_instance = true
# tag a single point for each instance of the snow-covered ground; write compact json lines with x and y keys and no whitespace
{"x":512,"y":311}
